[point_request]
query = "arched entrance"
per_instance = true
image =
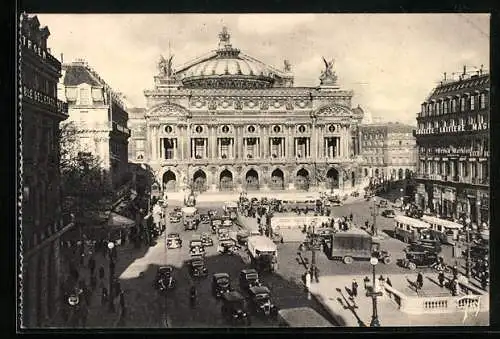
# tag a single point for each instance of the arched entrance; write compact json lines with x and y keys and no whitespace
{"x":302,"y":180}
{"x":353,"y":179}
{"x":332,"y":178}
{"x":277,"y":179}
{"x":226,"y":180}
{"x":400,"y":174}
{"x":199,"y":181}
{"x":376,"y":172}
{"x":169,"y":181}
{"x":252,"y":180}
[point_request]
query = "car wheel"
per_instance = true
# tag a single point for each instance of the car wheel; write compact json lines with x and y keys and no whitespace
{"x":412,"y":266}
{"x":348,"y":260}
{"x":387,"y":260}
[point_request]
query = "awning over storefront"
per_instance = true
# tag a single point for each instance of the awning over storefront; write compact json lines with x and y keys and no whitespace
{"x":116,"y":220}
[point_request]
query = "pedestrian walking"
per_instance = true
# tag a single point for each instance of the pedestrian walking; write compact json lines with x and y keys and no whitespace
{"x":420,"y":280}
{"x":388,"y":282}
{"x":92,"y":265}
{"x":101,"y":272}
{"x":354,"y":288}
{"x":484,"y":280}
{"x":104,"y":296}
{"x":441,"y":279}
{"x":350,"y":217}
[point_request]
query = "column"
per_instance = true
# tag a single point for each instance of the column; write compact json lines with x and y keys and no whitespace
{"x":213,"y":143}
{"x":259,"y":147}
{"x":180,"y":132}
{"x":175,"y":149}
{"x":295,"y":147}
{"x":161,"y":144}
{"x":265,"y":142}
{"x":154,"y":144}
{"x":308,"y":140}
{"x":288,"y":151}
{"x":236,"y":142}
{"x":314,"y":142}
{"x":337,"y":148}
{"x":285,"y":152}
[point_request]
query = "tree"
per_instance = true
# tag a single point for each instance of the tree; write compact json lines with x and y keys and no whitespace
{"x":83,"y":185}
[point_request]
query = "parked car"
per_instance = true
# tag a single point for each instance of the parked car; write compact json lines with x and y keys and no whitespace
{"x":216,"y":224}
{"x":206,"y":240}
{"x":260,"y":301}
{"x":249,"y":278}
{"x":174,"y":241}
{"x":221,"y":283}
{"x":197,"y":268}
{"x":419,"y":259}
{"x":234,"y":308}
{"x":388,"y":213}
{"x":196,"y":248}
{"x":227,"y":246}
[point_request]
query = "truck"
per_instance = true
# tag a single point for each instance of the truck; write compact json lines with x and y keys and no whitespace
{"x":190,"y":218}
{"x":354,"y":244}
{"x":263,"y":253}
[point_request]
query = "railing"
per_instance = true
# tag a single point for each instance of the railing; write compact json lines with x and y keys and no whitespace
{"x":120,"y":128}
{"x":37,"y":97}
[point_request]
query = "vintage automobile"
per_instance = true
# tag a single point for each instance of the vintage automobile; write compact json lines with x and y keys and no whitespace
{"x":197,"y":268}
{"x":216,"y":224}
{"x":204,"y":219}
{"x":335,"y":201}
{"x":178,"y":210}
{"x":227,"y":223}
{"x":221,"y":284}
{"x":212,"y":213}
{"x":477,"y":253}
{"x":325,"y":233}
{"x":388,"y":213}
{"x":242,"y":236}
{"x":415,"y":259}
{"x":234,"y":308}
{"x":174,"y":217}
{"x":196,"y":248}
{"x":206,"y":240}
{"x":260,"y":301}
{"x":382,"y":203}
{"x":249,"y":278}
{"x":164,"y":274}
{"x":227,"y":246}
{"x":223,"y":234}
{"x":425,"y":245}
{"x":174,"y":241}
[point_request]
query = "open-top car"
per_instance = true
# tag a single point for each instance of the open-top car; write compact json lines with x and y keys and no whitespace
{"x":260,"y":301}
{"x":249,"y":278}
{"x":174,"y":217}
{"x":227,"y":246}
{"x":197,"y":268}
{"x":419,"y":259}
{"x":206,"y":239}
{"x":204,"y":219}
{"x":174,"y":241}
{"x":216,"y":224}
{"x":234,"y":308}
{"x":164,"y":278}
{"x":221,"y":283}
{"x":388,"y":213}
{"x":223,"y":234}
{"x":227,"y":223}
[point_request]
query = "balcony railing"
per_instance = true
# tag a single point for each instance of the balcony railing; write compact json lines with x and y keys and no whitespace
{"x":39,"y":98}
{"x":120,"y":128}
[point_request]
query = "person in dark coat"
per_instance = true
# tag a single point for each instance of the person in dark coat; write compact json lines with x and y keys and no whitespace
{"x":354,"y":288}
{"x":388,"y":282}
{"x":92,"y":265}
{"x":484,"y":280}
{"x":101,"y":272}
{"x":104,"y":296}
{"x":350,"y":216}
{"x":441,"y":279}
{"x":420,"y":280}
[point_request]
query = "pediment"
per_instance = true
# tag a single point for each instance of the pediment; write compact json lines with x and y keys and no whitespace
{"x":169,"y":110}
{"x":334,"y":110}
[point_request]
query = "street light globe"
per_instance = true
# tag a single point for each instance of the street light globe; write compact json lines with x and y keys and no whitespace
{"x":111,"y":245}
{"x":373,"y":261}
{"x":467,"y":221}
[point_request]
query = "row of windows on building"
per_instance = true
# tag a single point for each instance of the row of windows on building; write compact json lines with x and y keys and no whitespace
{"x":473,"y":145}
{"x":40,"y":83}
{"x":471,"y":120}
{"x":388,"y":143}
{"x":455,"y":168}
{"x":381,"y":136}
{"x":392,"y":160}
{"x":451,"y":105}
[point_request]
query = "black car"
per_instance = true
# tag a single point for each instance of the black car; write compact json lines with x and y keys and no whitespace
{"x":249,"y":278}
{"x":477,"y":253}
{"x":234,"y":308}
{"x":260,"y":301}
{"x":174,"y":241}
{"x":221,"y":284}
{"x":197,"y":268}
{"x":206,"y":240}
{"x":204,"y":219}
{"x":164,"y":274}
{"x":388,"y":213}
{"x":419,"y":259}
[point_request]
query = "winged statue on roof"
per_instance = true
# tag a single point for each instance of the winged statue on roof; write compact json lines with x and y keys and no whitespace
{"x":328,"y":76}
{"x":165,"y":66}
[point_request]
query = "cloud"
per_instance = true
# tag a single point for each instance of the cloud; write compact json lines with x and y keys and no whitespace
{"x":272,"y":23}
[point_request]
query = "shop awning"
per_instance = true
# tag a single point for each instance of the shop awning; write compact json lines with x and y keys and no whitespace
{"x":116,"y":220}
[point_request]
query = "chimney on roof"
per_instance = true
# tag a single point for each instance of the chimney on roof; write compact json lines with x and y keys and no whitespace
{"x":62,"y":58}
{"x":481,"y":70}
{"x":465,"y":70}
{"x":444,"y":76}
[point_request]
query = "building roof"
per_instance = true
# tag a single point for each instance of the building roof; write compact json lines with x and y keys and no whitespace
{"x":77,"y":74}
{"x":389,"y":127}
{"x":465,"y":84}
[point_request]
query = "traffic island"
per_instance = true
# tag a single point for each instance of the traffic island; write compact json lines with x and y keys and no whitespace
{"x":400,"y":303}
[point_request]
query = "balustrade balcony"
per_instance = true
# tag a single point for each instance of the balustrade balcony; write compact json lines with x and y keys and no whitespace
{"x":35,"y":97}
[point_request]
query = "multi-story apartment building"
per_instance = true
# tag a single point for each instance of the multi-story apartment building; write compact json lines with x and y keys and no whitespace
{"x":42,"y":222}
{"x":389,"y":151}
{"x":453,"y":148}
{"x":228,"y":121}
{"x":100,"y":117}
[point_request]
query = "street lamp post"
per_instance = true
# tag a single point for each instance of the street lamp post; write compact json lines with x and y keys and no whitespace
{"x":467,"y":262}
{"x":374,"y":210}
{"x":374,"y":294}
{"x":111,"y":245}
{"x":313,"y":253}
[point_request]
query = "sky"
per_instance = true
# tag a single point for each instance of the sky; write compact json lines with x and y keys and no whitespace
{"x":390,"y":61}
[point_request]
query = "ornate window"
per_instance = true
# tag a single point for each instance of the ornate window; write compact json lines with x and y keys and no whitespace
{"x":331,"y":128}
{"x":198,"y":129}
{"x":225,"y":129}
{"x":277,"y":129}
{"x":482,"y":101}
{"x":251,"y":129}
{"x":472,"y":102}
{"x":302,"y":128}
{"x":168,"y":129}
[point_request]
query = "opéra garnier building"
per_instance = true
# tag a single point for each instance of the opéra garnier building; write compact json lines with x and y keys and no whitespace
{"x":228,"y":121}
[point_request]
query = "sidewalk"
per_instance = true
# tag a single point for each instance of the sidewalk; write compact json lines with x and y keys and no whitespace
{"x":332,"y":293}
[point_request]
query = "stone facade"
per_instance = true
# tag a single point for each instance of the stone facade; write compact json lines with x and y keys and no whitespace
{"x":453,"y":148}
{"x":231,"y":122}
{"x":42,"y":222}
{"x":388,"y":150}
{"x":100,"y":116}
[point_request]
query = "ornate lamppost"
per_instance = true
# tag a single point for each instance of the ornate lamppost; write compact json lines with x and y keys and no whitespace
{"x":111,"y":245}
{"x":467,"y":262}
{"x":374,"y":294}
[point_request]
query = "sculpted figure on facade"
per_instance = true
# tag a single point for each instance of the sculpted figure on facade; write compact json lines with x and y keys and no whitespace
{"x":287,"y":66}
{"x":328,"y":76}
{"x":165,"y":66}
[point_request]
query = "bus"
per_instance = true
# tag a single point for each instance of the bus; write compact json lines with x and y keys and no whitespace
{"x":445,"y":230}
{"x":191,"y":218}
{"x":301,"y":317}
{"x":408,"y":229}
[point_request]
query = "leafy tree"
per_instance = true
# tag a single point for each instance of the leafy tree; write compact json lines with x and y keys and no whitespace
{"x":84,"y":187}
